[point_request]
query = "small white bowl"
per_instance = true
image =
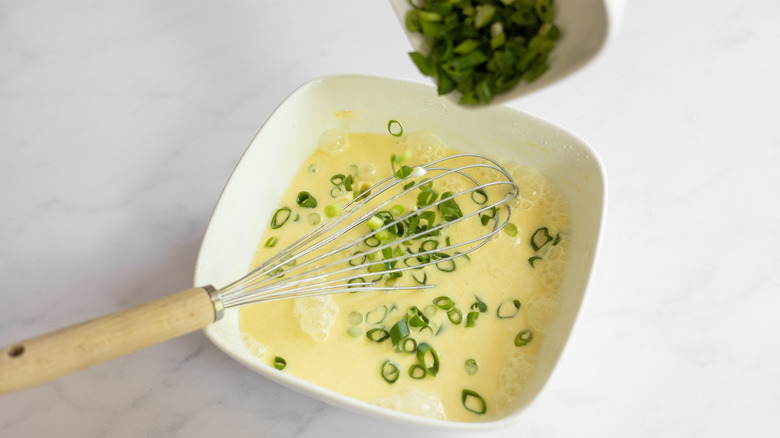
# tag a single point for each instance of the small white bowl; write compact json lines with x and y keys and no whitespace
{"x":291,"y":134}
{"x":586,"y":26}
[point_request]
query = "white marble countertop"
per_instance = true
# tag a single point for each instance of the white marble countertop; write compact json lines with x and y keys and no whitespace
{"x":121,"y":121}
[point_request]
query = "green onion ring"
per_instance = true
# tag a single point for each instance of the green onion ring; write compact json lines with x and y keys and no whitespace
{"x":390,"y":372}
{"x":393,"y":124}
{"x":513,"y":306}
{"x":306,"y":200}
{"x":524,"y":338}
{"x":377,"y":335}
{"x":455,"y":315}
{"x":471,"y":367}
{"x":467,"y":395}
{"x":545,"y":233}
{"x":424,"y":350}
{"x":444,"y":303}
{"x":417,"y":371}
{"x":275,"y":221}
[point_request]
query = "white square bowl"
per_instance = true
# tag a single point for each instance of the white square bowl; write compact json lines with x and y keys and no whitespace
{"x":290,"y":135}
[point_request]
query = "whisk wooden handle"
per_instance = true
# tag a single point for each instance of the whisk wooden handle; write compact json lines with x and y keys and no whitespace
{"x":80,"y":346}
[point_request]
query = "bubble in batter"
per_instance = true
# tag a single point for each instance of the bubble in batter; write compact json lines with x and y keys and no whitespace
{"x":334,"y":141}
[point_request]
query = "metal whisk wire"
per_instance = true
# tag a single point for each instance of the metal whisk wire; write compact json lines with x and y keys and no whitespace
{"x":269,"y":281}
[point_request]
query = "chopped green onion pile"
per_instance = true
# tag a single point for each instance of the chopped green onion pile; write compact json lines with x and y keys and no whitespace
{"x":482,"y":48}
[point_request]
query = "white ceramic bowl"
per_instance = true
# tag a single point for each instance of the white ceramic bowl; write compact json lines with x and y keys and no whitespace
{"x":586,"y":26}
{"x":291,"y":133}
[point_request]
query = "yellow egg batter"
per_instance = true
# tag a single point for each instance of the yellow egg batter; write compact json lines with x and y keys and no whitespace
{"x":325,"y":340}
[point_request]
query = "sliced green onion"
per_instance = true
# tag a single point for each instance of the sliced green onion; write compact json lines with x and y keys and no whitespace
{"x":450,"y":210}
{"x":508,"y":309}
{"x":372,"y":241}
{"x":414,"y":262}
{"x":428,"y":245}
{"x":396,"y":210}
{"x":348,"y":183}
{"x":455,"y":315}
{"x":337,"y":191}
{"x":445,"y":265}
{"x":473,"y":402}
{"x":377,"y":315}
{"x":544,"y":10}
{"x":444,"y":303}
{"x":355,"y":331}
{"x":532,"y":260}
{"x":536,"y":242}
{"x":486,"y":217}
{"x":479,"y":305}
{"x":462,"y":255}
{"x":403,"y":172}
{"x":359,"y":280}
{"x":314,"y":218}
{"x":375,"y":223}
{"x":409,"y":185}
{"x":466,"y":46}
{"x":524,"y":337}
{"x":422,"y":280}
{"x":279,"y":363}
{"x":429,"y":217}
{"x":271,"y":242}
{"x":399,"y":331}
{"x":557,"y":239}
{"x":355,"y":318}
{"x":383,"y":236}
{"x":417,"y":318}
{"x":511,"y":229}
{"x":278,"y":273}
{"x":428,"y":358}
{"x":377,"y":335}
{"x":376,"y":267}
{"x":280,"y":217}
{"x":337,"y":179}
{"x":333,"y":210}
{"x":479,"y":196}
{"x":471,"y":318}
{"x":408,"y":345}
{"x":417,"y":371}
{"x":484,"y":14}
{"x":305,"y":199}
{"x":426,"y":198}
{"x":390,"y":372}
{"x":354,"y":262}
{"x":394,"y":128}
{"x":471,"y":367}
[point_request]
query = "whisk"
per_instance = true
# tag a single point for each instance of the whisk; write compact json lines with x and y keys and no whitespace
{"x":324,"y":261}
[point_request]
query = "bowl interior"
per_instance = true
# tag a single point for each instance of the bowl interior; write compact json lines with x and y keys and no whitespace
{"x":365,"y":104}
{"x":585,"y":27}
